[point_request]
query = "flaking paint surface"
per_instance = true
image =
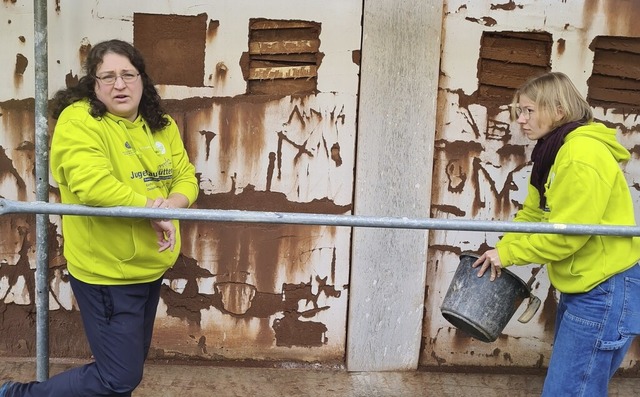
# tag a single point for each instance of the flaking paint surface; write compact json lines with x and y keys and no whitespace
{"x":238,"y":291}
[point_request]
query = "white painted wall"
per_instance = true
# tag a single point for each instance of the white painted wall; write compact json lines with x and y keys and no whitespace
{"x":576,"y":22}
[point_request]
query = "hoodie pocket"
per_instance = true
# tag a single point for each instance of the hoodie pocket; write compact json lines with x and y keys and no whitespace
{"x":112,"y":238}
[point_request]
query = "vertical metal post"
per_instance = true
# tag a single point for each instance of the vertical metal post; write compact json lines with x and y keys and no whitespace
{"x":42,"y":189}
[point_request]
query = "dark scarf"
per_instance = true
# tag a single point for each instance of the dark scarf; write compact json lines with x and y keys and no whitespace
{"x":544,"y":154}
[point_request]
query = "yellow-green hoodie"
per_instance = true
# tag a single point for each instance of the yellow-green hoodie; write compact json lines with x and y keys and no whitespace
{"x":111,"y":161}
{"x":585,"y":186}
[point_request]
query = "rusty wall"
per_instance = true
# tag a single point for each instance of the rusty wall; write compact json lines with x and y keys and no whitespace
{"x":262,"y":136}
{"x":482,"y":165}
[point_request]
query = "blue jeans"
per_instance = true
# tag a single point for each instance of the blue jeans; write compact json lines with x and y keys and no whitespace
{"x":593,"y":332}
{"x":118,"y":321}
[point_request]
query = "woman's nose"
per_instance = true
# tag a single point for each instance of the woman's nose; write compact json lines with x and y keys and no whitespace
{"x":119,"y":83}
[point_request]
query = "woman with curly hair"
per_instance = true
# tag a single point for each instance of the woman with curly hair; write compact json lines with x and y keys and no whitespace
{"x":113,"y":145}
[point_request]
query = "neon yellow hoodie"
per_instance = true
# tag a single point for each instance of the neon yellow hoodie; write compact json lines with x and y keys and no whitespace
{"x":585,"y":186}
{"x":111,"y":161}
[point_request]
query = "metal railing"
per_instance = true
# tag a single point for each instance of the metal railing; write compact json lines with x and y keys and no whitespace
{"x":15,"y":207}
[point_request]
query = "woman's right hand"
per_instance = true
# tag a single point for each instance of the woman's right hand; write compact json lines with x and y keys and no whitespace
{"x":490,"y":259}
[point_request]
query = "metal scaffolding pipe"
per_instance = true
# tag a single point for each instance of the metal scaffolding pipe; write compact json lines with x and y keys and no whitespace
{"x":42,"y":188}
{"x":13,"y":207}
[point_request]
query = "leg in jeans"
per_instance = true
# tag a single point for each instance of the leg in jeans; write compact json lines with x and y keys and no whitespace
{"x":594,"y":330}
{"x":118,"y":322}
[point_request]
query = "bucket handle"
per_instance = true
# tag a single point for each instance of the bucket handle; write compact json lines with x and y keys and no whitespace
{"x":534,"y":301}
{"x":530,"y":311}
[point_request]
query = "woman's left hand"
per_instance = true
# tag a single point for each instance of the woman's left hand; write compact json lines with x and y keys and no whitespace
{"x":166,"y":233}
{"x":490,"y":259}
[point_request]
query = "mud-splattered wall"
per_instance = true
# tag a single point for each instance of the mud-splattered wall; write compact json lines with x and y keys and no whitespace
{"x":482,"y":166}
{"x":265,"y":96}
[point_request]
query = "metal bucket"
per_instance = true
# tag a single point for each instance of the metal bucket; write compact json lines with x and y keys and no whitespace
{"x":482,"y":308}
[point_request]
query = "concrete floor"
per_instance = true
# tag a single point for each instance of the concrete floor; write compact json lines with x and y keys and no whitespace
{"x":164,"y":380}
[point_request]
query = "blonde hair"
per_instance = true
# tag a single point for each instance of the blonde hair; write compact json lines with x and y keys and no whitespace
{"x":553,"y":92}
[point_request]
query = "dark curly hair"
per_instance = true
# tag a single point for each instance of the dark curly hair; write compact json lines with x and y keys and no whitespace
{"x":150,"y":104}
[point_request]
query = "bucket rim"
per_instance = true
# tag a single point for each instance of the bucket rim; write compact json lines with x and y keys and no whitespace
{"x":478,"y":332}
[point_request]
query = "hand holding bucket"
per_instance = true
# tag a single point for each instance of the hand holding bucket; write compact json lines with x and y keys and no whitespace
{"x":482,"y":307}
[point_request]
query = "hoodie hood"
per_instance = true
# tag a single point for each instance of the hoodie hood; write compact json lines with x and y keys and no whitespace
{"x":605,"y":135}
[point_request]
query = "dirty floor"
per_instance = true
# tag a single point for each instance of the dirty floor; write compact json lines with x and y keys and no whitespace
{"x":164,"y":380}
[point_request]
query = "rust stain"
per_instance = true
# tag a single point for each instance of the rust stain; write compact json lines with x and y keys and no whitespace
{"x":221,"y":72}
{"x":446,"y":209}
{"x":270,"y":170}
{"x":356,"y":57}
{"x":562,"y":45}
{"x":21,"y":65}
{"x":439,"y":360}
{"x":212,"y":29}
{"x":71,"y":80}
{"x":510,"y":6}
{"x":83,"y":50}
{"x":241,"y":129}
{"x":175,"y":54}
{"x":252,"y":200}
{"x":208,"y":136}
{"x":16,"y":320}
{"x":7,"y":169}
{"x":290,"y":331}
{"x":548,"y":312}
{"x":621,"y":17}
{"x":485,"y":21}
{"x":335,"y":154}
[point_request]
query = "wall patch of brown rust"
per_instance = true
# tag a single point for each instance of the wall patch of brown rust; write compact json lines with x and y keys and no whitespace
{"x":356,"y":57}
{"x":507,"y":60}
{"x":175,"y":54}
{"x":547,"y":315}
{"x":16,"y":319}
{"x":240,"y":130}
{"x":18,"y":155}
{"x":510,"y":6}
{"x":8,"y":170}
{"x":561,"y":45}
{"x":71,"y":80}
{"x":212,"y":30}
{"x":83,"y":50}
{"x":615,"y":81}
{"x":622,"y":17}
{"x":283,"y":57}
{"x":20,"y":68}
{"x":485,"y":21}
{"x":290,"y":331}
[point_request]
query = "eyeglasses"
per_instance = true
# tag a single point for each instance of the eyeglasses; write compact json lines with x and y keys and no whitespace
{"x":525,"y":112}
{"x":111,"y":79}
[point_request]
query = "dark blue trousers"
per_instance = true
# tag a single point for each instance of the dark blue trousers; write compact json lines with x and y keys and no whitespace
{"x":118,"y":322}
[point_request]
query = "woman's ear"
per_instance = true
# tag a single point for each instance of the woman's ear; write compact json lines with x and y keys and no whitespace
{"x":559,"y":114}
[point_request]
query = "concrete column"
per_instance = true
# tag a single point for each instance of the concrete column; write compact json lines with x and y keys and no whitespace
{"x":396,"y":129}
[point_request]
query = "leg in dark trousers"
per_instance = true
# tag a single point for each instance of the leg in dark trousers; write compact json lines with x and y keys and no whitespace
{"x":118,"y":322}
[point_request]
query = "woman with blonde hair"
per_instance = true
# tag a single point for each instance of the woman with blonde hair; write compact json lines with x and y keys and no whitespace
{"x":576,"y":179}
